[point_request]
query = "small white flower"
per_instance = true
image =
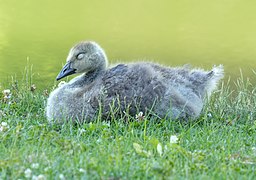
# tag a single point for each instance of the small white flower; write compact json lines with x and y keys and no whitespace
{"x":140,"y":113}
{"x":140,"y":116}
{"x":106,"y":123}
{"x":81,"y":131}
{"x":82,"y":170}
{"x":159,"y":149}
{"x":99,"y":140}
{"x":28,"y":173}
{"x":62,"y":177}
{"x":45,"y":92}
{"x":7,"y":95}
{"x":209,"y":115}
{"x":33,"y":87}
{"x":41,"y":177}
{"x":6,"y":92}
{"x":174,"y":139}
{"x":35,"y":165}
{"x":4,"y":124}
{"x":248,"y":162}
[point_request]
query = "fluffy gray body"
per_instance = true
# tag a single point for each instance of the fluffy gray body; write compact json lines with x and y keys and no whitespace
{"x":151,"y":88}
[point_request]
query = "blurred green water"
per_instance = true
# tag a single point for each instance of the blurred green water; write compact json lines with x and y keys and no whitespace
{"x":170,"y":32}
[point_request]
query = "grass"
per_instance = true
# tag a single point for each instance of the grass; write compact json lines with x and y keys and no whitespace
{"x":221,"y":144}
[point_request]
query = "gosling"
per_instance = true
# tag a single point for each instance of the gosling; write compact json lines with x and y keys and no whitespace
{"x":127,"y":89}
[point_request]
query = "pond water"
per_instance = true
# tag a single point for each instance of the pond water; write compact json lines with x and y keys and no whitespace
{"x":171,"y":32}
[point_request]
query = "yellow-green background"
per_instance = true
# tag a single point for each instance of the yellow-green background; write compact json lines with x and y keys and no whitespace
{"x":171,"y":32}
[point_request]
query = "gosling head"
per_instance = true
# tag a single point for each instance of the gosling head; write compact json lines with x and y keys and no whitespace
{"x":84,"y":57}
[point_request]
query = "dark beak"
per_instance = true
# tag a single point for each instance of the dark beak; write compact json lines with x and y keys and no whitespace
{"x":66,"y":71}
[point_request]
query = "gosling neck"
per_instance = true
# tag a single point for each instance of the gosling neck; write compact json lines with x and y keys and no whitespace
{"x":87,"y":78}
{"x":93,"y":74}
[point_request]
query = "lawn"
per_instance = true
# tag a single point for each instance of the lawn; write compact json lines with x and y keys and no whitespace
{"x":220,"y":144}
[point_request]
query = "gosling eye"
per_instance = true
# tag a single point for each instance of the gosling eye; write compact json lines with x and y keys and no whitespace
{"x":80,"y":56}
